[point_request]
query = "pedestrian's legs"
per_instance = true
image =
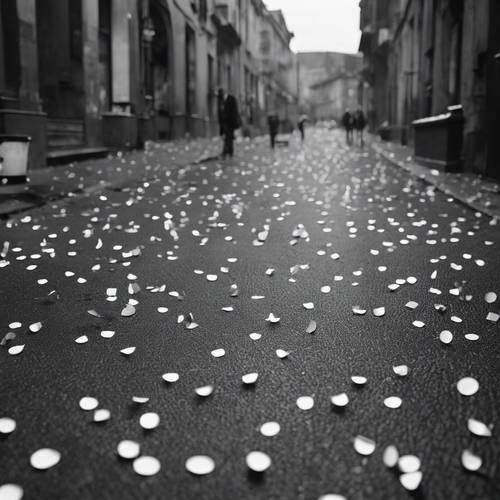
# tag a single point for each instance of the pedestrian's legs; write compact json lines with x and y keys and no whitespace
{"x":272,"y":137}
{"x":302,"y":134}
{"x":229,"y":143}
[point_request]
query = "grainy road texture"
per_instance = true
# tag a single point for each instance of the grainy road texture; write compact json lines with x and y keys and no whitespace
{"x":327,"y":217}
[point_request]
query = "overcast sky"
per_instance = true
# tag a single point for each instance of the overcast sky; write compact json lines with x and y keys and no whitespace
{"x":321,"y":25}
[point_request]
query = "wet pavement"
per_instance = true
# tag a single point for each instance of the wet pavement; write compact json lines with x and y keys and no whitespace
{"x":322,"y":269}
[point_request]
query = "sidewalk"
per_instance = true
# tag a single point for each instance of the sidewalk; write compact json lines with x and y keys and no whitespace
{"x":53,"y":183}
{"x":470,"y":189}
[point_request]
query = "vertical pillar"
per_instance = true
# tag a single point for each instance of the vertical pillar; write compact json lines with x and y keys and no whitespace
{"x":90,"y":40}
{"x":28,"y":55}
{"x":120,"y":59}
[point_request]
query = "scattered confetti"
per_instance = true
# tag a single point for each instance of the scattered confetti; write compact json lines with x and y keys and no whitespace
{"x":128,"y":449}
{"x":149,"y":420}
{"x":7,"y":425}
{"x":146,"y":466}
{"x":364,"y":445}
{"x":45,"y":458}
{"x":467,"y":386}
{"x":258,"y":461}
{"x":470,"y":461}
{"x":200,"y":465}
{"x":270,"y":429}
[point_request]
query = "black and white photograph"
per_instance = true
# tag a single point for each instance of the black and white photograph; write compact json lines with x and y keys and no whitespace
{"x":249,"y":249}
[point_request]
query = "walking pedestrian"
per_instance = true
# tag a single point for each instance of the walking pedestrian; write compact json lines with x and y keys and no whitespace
{"x":348,"y":124}
{"x":302,"y":127}
{"x":273,"y":123}
{"x":359,"y":125}
{"x":229,"y":121}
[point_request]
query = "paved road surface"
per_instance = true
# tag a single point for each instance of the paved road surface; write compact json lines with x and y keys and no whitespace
{"x":327,"y":217}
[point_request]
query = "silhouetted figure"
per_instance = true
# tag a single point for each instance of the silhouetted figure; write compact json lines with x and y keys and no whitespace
{"x":348,"y":124}
{"x":301,"y":124}
{"x":229,"y":121}
{"x":359,"y":125}
{"x":273,"y":123}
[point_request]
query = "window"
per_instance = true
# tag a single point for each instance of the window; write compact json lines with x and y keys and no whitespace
{"x":9,"y":48}
{"x":190,"y":72}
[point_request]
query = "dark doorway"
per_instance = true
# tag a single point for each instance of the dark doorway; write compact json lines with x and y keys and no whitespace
{"x":160,"y":70}
{"x":9,"y":50}
{"x":105,"y":55}
{"x":493,"y":93}
{"x":60,"y":63}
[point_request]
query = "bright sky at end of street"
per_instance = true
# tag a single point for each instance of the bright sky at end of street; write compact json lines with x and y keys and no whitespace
{"x":321,"y":25}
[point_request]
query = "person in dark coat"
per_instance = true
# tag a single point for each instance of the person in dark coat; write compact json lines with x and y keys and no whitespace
{"x":301,"y":124}
{"x":229,"y":121}
{"x":273,"y":123}
{"x":348,"y":124}
{"x":359,"y":125}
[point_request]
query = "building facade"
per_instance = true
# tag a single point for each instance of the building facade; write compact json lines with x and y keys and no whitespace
{"x":421,"y":56}
{"x":87,"y":75}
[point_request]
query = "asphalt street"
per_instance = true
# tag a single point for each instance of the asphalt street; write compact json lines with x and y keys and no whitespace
{"x":364,"y":267}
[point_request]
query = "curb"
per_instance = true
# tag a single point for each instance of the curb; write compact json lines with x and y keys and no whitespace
{"x":439,"y":186}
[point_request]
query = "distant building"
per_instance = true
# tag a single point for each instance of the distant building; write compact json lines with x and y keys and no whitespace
{"x":331,"y":77}
{"x":85,"y":75}
{"x":330,"y":98}
{"x":422,"y":56}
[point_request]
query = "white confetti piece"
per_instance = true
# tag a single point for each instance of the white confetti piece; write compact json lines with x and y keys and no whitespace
{"x":493,"y":317}
{"x":140,"y":400}
{"x":412,"y":304}
{"x":282,"y":354}
{"x":446,"y":337}
{"x":363,"y":445}
{"x":270,"y":429}
{"x":258,"y":461}
{"x":393,"y":402}
{"x":128,"y":351}
{"x":273,"y":319}
{"x":270,"y":271}
{"x":146,"y":466}
{"x":255,"y":335}
{"x":340,"y":400}
{"x":200,"y":465}
{"x":305,"y":402}
{"x":331,"y":496}
{"x":390,"y":456}
{"x":250,"y":378}
{"x":490,"y":297}
{"x":35,"y":327}
{"x":467,"y":386}
{"x":204,"y":391}
{"x":326,"y":289}
{"x":418,"y":324}
{"x":15,"y":325}
{"x":411,"y":480}
{"x":107,"y":334}
{"x":411,"y":280}
{"x":408,"y":463}
{"x":162,"y":310}
{"x":357,"y":310}
{"x":471,"y":336}
{"x":311,"y":328}
{"x":11,"y":491}
{"x":102,"y":415}
{"x":82,"y":339}
{"x":308,"y":305}
{"x":379,"y":311}
{"x":170,"y":377}
{"x":45,"y":458}
{"x":16,"y":349}
{"x":456,"y":319}
{"x":128,"y":449}
{"x":149,"y":420}
{"x":88,"y":403}
{"x":358,"y":380}
{"x":128,"y":310}
{"x":7,"y":425}
{"x":211,"y":277}
{"x":476,"y":427}
{"x":218,"y":353}
{"x":470,"y":461}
